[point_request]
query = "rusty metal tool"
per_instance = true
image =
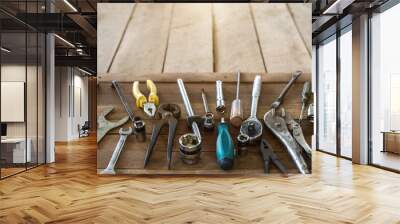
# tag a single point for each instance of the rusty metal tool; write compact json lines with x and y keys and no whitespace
{"x":278,"y":126}
{"x":208,"y":118}
{"x":268,"y":155}
{"x":104,"y":125}
{"x":170,"y":114}
{"x":123,"y":135}
{"x":305,"y":98}
{"x":139,"y":126}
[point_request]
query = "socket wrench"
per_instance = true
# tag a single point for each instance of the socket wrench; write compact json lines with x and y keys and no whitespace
{"x":190,"y":144}
{"x":208,"y":118}
{"x":252,"y":127}
{"x":220,"y":97}
{"x":236,"y":117}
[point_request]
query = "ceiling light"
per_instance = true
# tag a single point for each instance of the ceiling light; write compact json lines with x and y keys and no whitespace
{"x":338,"y":6}
{"x":84,"y":71}
{"x":70,"y":5}
{"x":5,"y":50}
{"x":65,"y":41}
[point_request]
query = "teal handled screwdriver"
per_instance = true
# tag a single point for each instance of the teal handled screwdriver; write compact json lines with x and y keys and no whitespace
{"x":225,"y":147}
{"x":225,"y":151}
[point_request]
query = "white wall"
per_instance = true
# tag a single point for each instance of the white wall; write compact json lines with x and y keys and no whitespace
{"x":69,"y":82}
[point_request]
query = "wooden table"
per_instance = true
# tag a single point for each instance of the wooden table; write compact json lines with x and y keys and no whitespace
{"x":200,"y":43}
{"x":131,"y":159}
{"x":391,"y":141}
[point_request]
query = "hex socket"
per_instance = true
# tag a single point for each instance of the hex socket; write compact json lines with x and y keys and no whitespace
{"x":220,"y":97}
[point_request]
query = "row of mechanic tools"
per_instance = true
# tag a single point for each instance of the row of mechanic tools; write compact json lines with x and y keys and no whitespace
{"x":277,"y":120}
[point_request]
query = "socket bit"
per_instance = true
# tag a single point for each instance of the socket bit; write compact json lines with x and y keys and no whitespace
{"x":243,"y":142}
{"x":208,"y":118}
{"x":220,"y":97}
{"x":236,"y":117}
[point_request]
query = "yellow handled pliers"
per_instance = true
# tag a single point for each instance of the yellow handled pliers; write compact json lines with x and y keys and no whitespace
{"x":149,"y":105}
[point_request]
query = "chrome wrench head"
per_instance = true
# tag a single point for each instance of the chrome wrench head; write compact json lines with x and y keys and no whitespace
{"x":123,"y":135}
{"x":252,"y":127}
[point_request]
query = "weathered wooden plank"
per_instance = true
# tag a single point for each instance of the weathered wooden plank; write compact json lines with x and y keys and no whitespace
{"x":190,"y":45}
{"x":112,"y":20}
{"x":143,"y":46}
{"x":302,"y":16}
{"x":203,"y":77}
{"x":281,"y":43}
{"x":235,"y":39}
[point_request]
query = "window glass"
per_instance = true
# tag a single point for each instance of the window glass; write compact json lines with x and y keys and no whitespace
{"x":346,"y":94}
{"x":327,"y":96}
{"x":385,"y":88}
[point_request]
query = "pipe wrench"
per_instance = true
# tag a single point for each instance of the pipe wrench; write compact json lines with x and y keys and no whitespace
{"x":149,"y":105}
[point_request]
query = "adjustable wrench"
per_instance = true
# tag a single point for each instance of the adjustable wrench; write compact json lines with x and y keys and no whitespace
{"x":123,"y":134}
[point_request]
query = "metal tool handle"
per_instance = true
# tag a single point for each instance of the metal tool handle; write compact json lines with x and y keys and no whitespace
{"x":188,"y":107}
{"x":255,"y":95}
{"x":117,"y":151}
{"x":124,"y":101}
{"x":237,"y":85}
{"x":205,"y":103}
{"x":279,"y":100}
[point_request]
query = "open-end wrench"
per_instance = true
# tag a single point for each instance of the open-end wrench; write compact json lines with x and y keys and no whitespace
{"x":139,"y":128}
{"x":123,"y":134}
{"x":279,"y":99}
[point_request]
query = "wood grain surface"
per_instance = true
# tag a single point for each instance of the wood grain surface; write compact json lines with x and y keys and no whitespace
{"x":132,"y":157}
{"x":70,"y":191}
{"x":206,"y":38}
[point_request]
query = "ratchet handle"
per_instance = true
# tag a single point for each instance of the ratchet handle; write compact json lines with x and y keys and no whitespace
{"x":153,"y":98}
{"x":255,"y":95}
{"x":256,"y":86}
{"x":140,"y":98}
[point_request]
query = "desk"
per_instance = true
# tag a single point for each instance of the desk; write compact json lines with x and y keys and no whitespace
{"x":391,"y":141}
{"x":13,"y":150}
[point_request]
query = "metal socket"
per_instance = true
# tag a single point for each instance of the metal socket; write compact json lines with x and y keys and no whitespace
{"x":243,"y":142}
{"x":208,"y":121}
{"x":139,"y":127}
{"x":220,"y":97}
{"x":189,"y":148}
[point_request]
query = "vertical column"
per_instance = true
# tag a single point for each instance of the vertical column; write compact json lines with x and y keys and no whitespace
{"x":50,"y":92}
{"x":360,"y":90}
